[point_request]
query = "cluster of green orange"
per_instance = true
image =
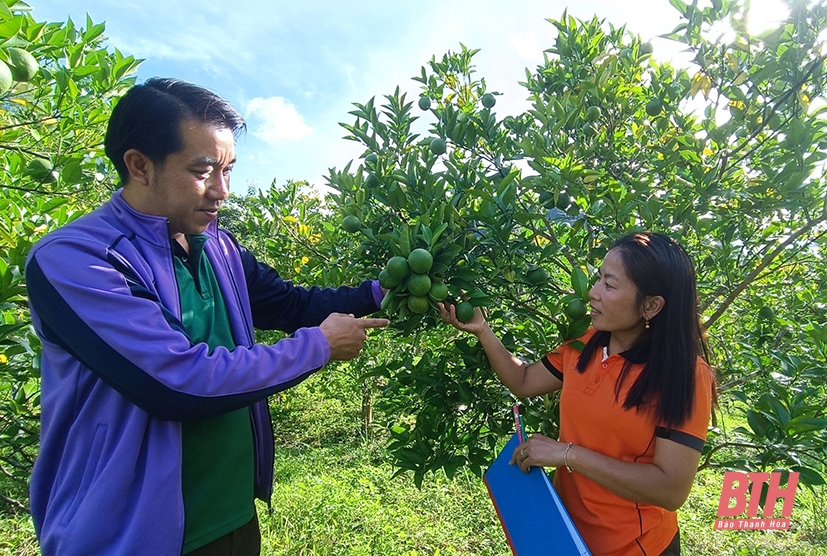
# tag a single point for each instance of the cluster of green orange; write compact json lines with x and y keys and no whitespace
{"x":411,"y":274}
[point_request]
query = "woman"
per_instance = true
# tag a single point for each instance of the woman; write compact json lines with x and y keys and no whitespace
{"x":635,"y":402}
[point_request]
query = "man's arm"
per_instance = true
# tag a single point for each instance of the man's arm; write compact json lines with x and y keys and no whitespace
{"x":116,"y":327}
{"x":279,"y":305}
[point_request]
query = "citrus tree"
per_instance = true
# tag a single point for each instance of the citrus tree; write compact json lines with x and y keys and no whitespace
{"x":57,"y":83}
{"x":515,"y":213}
{"x":289,"y":227}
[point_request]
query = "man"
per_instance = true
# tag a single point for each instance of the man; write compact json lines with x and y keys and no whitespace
{"x":155,"y":428}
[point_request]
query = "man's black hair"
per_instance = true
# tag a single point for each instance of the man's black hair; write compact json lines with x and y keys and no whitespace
{"x":147,"y":118}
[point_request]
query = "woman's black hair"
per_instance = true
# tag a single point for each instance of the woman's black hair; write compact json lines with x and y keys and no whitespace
{"x":147,"y":118}
{"x":670,"y":347}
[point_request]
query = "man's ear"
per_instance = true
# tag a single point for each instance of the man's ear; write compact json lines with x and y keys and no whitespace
{"x":140,"y":167}
{"x":652,"y":306}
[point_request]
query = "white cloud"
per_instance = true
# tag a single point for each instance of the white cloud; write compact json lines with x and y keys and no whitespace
{"x":181,"y":48}
{"x":350,"y":71}
{"x":275,"y":120}
{"x":527,"y":46}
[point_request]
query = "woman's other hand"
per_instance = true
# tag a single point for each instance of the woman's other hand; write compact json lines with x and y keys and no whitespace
{"x":476,"y":326}
{"x":540,"y":451}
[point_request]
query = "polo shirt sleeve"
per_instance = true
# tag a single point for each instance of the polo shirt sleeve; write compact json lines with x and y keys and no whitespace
{"x":693,"y":432}
{"x":554,"y":363}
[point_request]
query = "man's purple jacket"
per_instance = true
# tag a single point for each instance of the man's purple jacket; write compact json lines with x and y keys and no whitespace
{"x":120,"y":374}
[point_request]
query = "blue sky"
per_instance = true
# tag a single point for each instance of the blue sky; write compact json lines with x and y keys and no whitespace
{"x":294,"y":68}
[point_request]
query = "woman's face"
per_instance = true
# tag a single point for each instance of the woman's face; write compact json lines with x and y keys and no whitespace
{"x":614,"y":301}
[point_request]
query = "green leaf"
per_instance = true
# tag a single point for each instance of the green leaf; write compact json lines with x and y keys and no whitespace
{"x":580,"y":283}
{"x":72,"y":172}
{"x":779,"y":410}
{"x":808,"y":476}
{"x":577,"y":344}
{"x":805,"y":425}
{"x":93,"y":31}
{"x":10,"y":27}
{"x":757,"y":423}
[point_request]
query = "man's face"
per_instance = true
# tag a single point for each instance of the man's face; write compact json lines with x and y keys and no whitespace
{"x":191,"y":185}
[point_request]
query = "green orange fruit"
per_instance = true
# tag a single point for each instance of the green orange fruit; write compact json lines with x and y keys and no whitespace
{"x":654,"y":107}
{"x":22,"y":64}
{"x":592,"y":113}
{"x":351,"y":224}
{"x":439,"y":291}
{"x":563,"y":200}
{"x":424,"y":103}
{"x":387,"y":281}
{"x":575,"y":309}
{"x":546,"y":198}
{"x":397,"y":268}
{"x":420,"y":261}
{"x":766,"y":313}
{"x":536,"y":276}
{"x":438,"y":146}
{"x":465,"y":312}
{"x":418,"y":304}
{"x":488,"y":100}
{"x":419,"y":284}
{"x":6,"y":78}
{"x":646,"y":48}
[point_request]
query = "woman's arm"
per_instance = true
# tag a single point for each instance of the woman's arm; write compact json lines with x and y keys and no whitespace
{"x":665,"y":482}
{"x":522,"y":379}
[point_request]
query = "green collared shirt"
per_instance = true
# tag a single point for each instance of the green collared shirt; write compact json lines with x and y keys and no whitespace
{"x":218,"y":465}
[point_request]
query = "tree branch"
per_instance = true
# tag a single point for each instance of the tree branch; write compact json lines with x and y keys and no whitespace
{"x":765,"y":262}
{"x":16,"y":503}
{"x":38,"y":191}
{"x":783,"y":98}
{"x":737,"y":381}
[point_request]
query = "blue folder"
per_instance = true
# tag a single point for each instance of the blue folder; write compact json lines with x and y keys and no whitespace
{"x":530,"y":510}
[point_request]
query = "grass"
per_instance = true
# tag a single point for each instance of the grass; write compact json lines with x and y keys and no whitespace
{"x":807,"y":534}
{"x":335,"y":495}
{"x":343,"y":501}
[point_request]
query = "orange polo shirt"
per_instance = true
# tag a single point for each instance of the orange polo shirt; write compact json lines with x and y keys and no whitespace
{"x":591,"y":417}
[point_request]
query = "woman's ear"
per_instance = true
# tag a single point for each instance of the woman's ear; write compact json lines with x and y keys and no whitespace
{"x":652,"y":306}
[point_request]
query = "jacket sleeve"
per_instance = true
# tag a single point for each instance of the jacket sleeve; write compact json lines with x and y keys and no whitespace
{"x":114,"y":325}
{"x":279,"y":305}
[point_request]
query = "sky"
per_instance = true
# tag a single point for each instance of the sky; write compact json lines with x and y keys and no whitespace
{"x":293,"y":69}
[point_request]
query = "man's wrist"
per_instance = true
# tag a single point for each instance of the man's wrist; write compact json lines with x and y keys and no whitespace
{"x":378,"y":292}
